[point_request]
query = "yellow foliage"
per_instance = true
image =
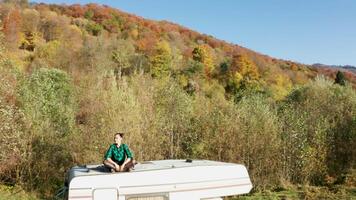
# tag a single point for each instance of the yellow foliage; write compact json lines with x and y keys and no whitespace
{"x":203,"y":54}
{"x":48,"y":52}
{"x":183,"y":80}
{"x":243,"y":65}
{"x":237,"y":78}
{"x":281,"y":86}
{"x":134,"y":33}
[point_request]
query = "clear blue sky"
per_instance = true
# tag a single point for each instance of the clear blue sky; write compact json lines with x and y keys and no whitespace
{"x":307,"y":31}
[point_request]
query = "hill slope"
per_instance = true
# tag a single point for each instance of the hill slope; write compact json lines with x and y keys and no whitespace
{"x":39,"y":26}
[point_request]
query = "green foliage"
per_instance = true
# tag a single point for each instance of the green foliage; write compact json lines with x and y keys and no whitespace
{"x":258,"y":136}
{"x":301,"y":192}
{"x":89,"y":14}
{"x":160,"y":61}
{"x":16,"y":193}
{"x":194,"y":68}
{"x":94,"y":28}
{"x":224,"y":67}
{"x":47,"y":98}
{"x":340,"y":78}
{"x":123,"y":56}
{"x":174,"y":112}
{"x":47,"y":54}
{"x":314,"y":126}
{"x":12,"y":130}
{"x":114,"y":24}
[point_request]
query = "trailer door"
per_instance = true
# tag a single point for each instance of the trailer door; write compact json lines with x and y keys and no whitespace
{"x":105,"y":194}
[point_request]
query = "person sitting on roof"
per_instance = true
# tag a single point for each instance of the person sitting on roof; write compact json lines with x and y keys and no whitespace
{"x":119,"y":157}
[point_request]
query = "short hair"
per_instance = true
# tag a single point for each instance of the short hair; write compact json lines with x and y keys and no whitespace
{"x":119,"y":133}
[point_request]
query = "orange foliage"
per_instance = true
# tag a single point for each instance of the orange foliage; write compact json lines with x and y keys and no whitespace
{"x":75,"y":10}
{"x":168,"y":27}
{"x":146,"y":44}
{"x":187,"y":53}
{"x":12,"y":27}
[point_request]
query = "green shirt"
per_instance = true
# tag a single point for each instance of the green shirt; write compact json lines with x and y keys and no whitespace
{"x":118,"y":154}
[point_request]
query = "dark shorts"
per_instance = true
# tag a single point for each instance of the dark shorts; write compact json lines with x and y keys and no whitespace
{"x":127,"y":167}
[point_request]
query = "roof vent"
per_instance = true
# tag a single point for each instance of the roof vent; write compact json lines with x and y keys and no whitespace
{"x":81,"y":168}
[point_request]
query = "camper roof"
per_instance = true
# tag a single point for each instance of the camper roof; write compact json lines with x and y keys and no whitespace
{"x":88,"y":170}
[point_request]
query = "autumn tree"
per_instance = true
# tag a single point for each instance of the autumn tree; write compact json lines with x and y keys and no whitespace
{"x":160,"y":61}
{"x":203,"y":54}
{"x":242,"y":71}
{"x":30,"y":22}
{"x":52,"y":25}
{"x":114,"y":24}
{"x":122,"y":56}
{"x":280,"y":86}
{"x":12,"y":28}
{"x":21,"y":3}
{"x":243,"y":65}
{"x":94,"y":28}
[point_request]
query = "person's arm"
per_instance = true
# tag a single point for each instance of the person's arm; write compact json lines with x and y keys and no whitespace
{"x":128,"y":154}
{"x":126,"y":161}
{"x":108,"y":156}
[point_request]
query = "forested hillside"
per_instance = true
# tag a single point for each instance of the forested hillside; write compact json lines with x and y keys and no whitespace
{"x":72,"y":75}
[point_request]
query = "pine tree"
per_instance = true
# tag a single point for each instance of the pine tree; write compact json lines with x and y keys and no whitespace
{"x":340,"y":78}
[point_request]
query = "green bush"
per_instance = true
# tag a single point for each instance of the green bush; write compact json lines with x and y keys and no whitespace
{"x":319,"y":119}
{"x":46,"y":98}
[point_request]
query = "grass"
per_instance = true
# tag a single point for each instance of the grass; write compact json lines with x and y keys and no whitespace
{"x":292,"y":193}
{"x":15,"y":193}
{"x":304,"y":192}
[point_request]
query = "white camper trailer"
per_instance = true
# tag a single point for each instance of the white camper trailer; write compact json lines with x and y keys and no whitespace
{"x":160,"y":180}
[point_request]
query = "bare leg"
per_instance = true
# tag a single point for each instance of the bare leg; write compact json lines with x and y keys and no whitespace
{"x":129,"y":166}
{"x":109,"y":165}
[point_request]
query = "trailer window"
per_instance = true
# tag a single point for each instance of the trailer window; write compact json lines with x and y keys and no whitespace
{"x":148,"y":197}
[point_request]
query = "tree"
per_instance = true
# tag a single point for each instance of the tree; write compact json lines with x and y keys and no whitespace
{"x":245,"y":67}
{"x":12,"y":28}
{"x":203,"y":54}
{"x":122,"y":56}
{"x":94,"y":28}
{"x":21,"y":3}
{"x":52,"y":25}
{"x":243,"y":74}
{"x":47,"y":98}
{"x":30,"y":22}
{"x":318,"y":127}
{"x":28,"y":42}
{"x":160,"y":61}
{"x":340,"y":78}
{"x":114,"y":24}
